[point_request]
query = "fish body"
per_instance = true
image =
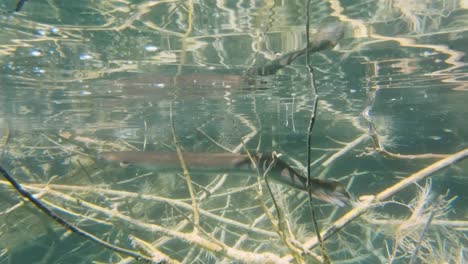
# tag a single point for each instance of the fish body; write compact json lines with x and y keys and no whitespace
{"x":326,"y":190}
{"x":158,"y":160}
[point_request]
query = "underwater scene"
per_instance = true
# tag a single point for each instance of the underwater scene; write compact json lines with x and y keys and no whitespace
{"x":231,"y":131}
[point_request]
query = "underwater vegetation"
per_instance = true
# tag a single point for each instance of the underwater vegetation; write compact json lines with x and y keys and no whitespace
{"x":233,"y":132}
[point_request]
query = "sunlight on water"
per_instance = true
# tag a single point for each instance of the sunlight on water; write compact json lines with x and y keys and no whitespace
{"x":87,"y":86}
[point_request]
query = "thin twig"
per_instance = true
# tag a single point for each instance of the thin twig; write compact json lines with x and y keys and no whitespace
{"x":411,"y":156}
{"x":145,"y":139}
{"x":88,"y":176}
{"x":135,"y":178}
{"x":260,"y":192}
{"x":207,"y":235}
{"x":184,"y":38}
{"x":283,"y":226}
{"x":395,"y":222}
{"x":196,"y":213}
{"x":253,"y":132}
{"x":421,"y":237}
{"x":344,"y":150}
{"x":214,"y":141}
{"x":66,"y":149}
{"x":309,"y":135}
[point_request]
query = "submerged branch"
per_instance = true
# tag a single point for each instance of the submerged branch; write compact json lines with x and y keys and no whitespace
{"x":155,"y":254}
{"x":411,"y":156}
{"x":363,"y":207}
{"x":149,"y":197}
{"x":395,"y":222}
{"x":19,"y":188}
{"x":190,"y":238}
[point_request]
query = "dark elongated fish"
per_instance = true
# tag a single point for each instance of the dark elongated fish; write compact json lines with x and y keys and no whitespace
{"x":326,"y":190}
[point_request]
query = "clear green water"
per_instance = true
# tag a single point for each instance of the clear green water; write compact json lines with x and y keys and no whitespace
{"x":81,"y":77}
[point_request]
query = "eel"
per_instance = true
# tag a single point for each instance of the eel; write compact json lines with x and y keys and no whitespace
{"x":329,"y":191}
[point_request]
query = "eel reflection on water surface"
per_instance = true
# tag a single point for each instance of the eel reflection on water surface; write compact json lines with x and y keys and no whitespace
{"x":326,"y":37}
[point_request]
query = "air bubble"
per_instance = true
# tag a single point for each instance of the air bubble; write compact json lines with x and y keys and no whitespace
{"x":54,"y":30}
{"x":85,"y":57}
{"x":40,"y":32}
{"x":38,"y":70}
{"x":151,"y":48}
{"x":35,"y":53}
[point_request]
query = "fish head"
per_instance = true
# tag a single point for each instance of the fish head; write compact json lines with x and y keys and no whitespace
{"x":114,"y":157}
